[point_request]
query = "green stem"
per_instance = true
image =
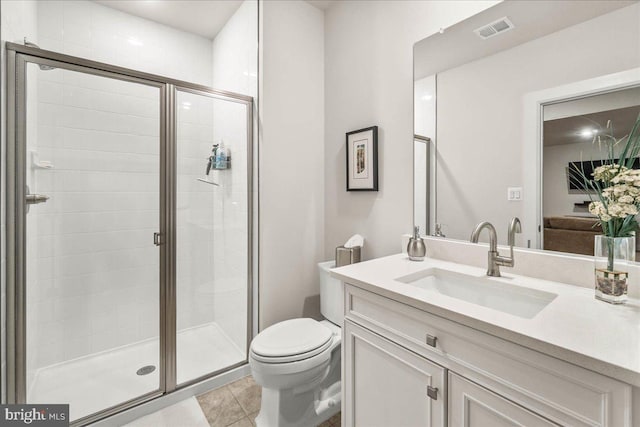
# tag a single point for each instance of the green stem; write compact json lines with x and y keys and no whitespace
{"x":610,"y":252}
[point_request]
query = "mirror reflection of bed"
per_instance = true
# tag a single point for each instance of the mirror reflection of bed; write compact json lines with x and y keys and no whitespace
{"x":570,"y":136}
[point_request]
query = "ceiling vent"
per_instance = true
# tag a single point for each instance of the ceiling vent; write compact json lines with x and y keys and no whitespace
{"x":493,"y":29}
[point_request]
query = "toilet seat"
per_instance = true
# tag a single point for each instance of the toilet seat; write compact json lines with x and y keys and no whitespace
{"x":291,"y":341}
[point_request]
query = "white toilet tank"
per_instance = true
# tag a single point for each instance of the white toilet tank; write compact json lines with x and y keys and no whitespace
{"x":331,"y":294}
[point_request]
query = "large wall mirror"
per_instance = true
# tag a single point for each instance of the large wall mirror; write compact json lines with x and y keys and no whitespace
{"x":505,"y":100}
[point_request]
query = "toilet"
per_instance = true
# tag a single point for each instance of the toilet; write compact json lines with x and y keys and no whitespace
{"x":297,"y":363}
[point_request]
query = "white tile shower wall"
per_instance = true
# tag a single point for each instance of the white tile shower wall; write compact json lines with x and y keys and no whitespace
{"x":196,"y":214}
{"x":18,"y":20}
{"x":91,"y":30}
{"x":212,"y":220}
{"x":234,"y":51}
{"x":231,"y":231}
{"x":97,"y":269}
{"x":234,"y":69}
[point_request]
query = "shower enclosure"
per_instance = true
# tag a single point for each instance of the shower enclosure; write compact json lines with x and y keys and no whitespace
{"x":128,"y":265}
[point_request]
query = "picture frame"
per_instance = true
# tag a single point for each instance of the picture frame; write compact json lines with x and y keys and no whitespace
{"x":362,"y":159}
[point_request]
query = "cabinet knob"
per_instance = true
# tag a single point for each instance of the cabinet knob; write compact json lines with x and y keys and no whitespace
{"x":432,"y":392}
{"x":431,"y":340}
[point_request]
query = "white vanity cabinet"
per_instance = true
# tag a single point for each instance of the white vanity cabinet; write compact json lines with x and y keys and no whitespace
{"x":471,"y":405}
{"x":389,"y":385}
{"x":392,"y":353}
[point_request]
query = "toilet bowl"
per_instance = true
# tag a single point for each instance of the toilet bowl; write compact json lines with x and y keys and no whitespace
{"x":297,"y":363}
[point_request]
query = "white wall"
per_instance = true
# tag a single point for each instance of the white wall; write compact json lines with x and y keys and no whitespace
{"x":480,"y":114}
{"x":291,"y":157}
{"x":369,"y":81}
{"x":235,"y":52}
{"x":424,"y":106}
{"x":593,"y":104}
{"x":556,"y":198}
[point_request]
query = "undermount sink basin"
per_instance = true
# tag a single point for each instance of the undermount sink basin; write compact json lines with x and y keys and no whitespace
{"x":497,"y":295}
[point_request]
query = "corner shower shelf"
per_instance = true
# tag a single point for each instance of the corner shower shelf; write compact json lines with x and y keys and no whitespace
{"x":208,"y":182}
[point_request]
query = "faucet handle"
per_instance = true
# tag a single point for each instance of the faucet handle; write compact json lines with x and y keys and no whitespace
{"x":514,"y":227}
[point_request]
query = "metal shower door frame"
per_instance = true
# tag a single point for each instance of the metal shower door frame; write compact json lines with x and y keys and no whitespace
{"x":17,"y":58}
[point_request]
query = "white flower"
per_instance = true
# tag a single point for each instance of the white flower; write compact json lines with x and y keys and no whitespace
{"x":607,"y":172}
{"x":628,"y":199}
{"x":598,"y":209}
{"x":621,"y":196}
{"x":629,"y":176}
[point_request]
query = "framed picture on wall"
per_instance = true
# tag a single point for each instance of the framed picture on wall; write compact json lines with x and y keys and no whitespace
{"x":362,"y":159}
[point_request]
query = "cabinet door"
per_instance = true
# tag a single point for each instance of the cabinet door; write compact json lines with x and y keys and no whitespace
{"x":471,"y":405}
{"x":387,"y":385}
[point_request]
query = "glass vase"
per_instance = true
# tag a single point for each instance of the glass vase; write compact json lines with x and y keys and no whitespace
{"x":612,"y":258}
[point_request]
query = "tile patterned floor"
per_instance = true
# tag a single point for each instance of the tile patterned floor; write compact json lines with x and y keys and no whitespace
{"x":332,"y":422}
{"x":237,"y":405}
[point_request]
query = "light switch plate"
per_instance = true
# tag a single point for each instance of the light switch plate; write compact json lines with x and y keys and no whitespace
{"x":514,"y":193}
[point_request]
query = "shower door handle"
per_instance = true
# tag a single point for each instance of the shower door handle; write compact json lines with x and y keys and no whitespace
{"x":157,"y":239}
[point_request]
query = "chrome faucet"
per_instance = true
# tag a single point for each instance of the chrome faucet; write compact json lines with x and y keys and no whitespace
{"x":495,"y":260}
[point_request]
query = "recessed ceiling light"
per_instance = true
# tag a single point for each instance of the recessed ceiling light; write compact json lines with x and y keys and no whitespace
{"x":588,"y":133}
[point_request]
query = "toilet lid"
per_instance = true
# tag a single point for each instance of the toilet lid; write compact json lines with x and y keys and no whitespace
{"x":291,"y":337}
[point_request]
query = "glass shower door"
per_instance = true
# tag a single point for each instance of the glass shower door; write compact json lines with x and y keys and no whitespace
{"x":129,"y":261}
{"x":212,"y":233}
{"x":92,"y":174}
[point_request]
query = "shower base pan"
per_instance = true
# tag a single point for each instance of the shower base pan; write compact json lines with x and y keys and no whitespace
{"x":96,"y":382}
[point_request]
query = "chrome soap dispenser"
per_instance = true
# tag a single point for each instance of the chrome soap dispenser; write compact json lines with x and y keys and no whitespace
{"x":416,"y":248}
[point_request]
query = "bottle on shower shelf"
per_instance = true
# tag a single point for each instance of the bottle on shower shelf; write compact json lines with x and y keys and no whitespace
{"x":222,"y":156}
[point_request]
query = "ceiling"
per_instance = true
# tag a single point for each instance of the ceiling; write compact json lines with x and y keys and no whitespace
{"x":570,"y":130}
{"x":458,"y":45}
{"x":202,"y":17}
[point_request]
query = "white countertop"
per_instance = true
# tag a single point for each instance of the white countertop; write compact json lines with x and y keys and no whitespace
{"x":574,"y":327}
